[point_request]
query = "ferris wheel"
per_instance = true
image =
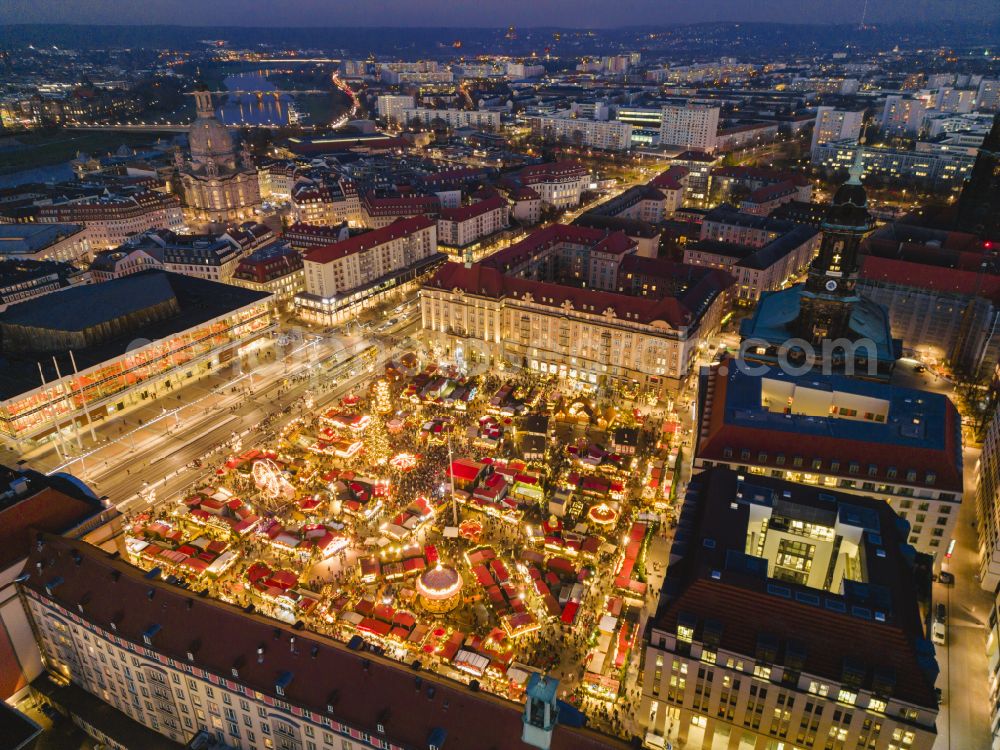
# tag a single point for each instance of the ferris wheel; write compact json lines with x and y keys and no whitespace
{"x":274,"y":488}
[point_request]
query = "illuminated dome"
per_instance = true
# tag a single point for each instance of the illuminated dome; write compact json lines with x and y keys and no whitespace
{"x":440,"y":588}
{"x":210,"y":139}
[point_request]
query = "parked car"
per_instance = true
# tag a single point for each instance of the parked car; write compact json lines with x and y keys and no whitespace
{"x":946,"y":578}
{"x":939,"y":634}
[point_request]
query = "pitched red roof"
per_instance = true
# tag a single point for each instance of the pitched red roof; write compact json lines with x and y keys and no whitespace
{"x":670,"y":179}
{"x":363,"y":690}
{"x":364,"y":242}
{"x":464,"y":213}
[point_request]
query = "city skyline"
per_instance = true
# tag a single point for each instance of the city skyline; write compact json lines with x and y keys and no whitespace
{"x":448,"y":14}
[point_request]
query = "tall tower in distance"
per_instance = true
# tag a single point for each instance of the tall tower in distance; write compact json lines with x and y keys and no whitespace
{"x":979,"y":206}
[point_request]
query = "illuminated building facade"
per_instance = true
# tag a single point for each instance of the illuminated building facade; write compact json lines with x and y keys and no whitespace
{"x":790,"y":619}
{"x":75,"y":365}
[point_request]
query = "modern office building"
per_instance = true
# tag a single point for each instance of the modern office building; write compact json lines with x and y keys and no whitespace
{"x":107,"y":347}
{"x":578,"y":303}
{"x":698,"y":184}
{"x":897,"y":444}
{"x":180,"y":664}
{"x":690,"y":126}
{"x":346,"y":276}
{"x":791,"y":617}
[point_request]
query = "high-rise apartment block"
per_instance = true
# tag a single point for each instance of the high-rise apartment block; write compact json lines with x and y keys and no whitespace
{"x":690,"y":126}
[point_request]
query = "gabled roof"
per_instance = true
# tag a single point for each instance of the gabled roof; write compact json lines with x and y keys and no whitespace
{"x":364,"y":242}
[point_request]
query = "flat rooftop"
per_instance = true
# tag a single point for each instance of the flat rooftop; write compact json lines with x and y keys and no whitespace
{"x":871,"y":627}
{"x":199,"y":301}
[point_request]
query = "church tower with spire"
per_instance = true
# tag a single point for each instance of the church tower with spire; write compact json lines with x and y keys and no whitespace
{"x":829,"y":293}
{"x":824,"y":323}
{"x":979,"y":206}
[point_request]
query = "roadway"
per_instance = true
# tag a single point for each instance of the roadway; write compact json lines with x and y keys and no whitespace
{"x":157,"y":445}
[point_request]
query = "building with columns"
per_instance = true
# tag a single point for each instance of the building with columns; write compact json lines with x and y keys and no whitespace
{"x":219,"y":186}
{"x":790,"y":618}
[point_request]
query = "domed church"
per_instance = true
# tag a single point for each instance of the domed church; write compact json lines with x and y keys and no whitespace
{"x":219,"y":187}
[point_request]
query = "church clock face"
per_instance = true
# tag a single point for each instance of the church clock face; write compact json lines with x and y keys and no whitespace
{"x":831,"y":285}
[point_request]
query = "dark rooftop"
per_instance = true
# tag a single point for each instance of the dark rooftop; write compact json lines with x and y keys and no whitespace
{"x":199,"y":301}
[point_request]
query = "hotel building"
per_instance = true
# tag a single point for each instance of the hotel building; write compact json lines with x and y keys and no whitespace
{"x":578,"y":303}
{"x":900,"y":445}
{"x":790,"y":618}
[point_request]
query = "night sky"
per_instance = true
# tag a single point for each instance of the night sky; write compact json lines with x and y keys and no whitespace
{"x":489,"y":13}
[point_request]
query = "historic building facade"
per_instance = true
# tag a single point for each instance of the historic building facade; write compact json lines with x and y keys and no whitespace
{"x":219,"y":187}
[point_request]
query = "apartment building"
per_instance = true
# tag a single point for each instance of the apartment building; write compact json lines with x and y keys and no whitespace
{"x":690,"y":126}
{"x":180,"y":664}
{"x":276,"y":269}
{"x":559,"y":184}
{"x":327,"y":205}
{"x":942,"y":292}
{"x":790,"y":617}
{"x":379,"y":211}
{"x":834,"y":124}
{"x":110,"y":221}
{"x":454,"y":118}
{"x":348,"y":275}
{"x":606,"y":135}
{"x":486,"y":214}
{"x":391,"y":107}
{"x":902,"y":116}
{"x":899,"y":445}
{"x":755,"y":270}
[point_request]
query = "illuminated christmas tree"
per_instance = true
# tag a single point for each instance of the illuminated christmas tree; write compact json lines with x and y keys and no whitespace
{"x":382,"y":402}
{"x":377,"y":441}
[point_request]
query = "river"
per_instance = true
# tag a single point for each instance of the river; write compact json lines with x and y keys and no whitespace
{"x":268,"y":108}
